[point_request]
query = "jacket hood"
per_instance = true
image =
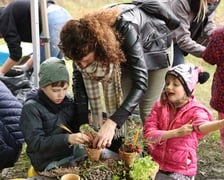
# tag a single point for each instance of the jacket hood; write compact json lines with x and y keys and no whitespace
{"x":33,"y":94}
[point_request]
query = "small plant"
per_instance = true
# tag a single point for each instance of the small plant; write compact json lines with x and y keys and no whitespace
{"x":92,"y":153}
{"x":129,"y":149}
{"x":143,"y":168}
{"x":89,"y":131}
{"x":119,"y":171}
{"x":130,"y":143}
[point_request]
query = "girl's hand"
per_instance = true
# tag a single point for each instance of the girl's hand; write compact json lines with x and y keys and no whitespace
{"x":184,"y":130}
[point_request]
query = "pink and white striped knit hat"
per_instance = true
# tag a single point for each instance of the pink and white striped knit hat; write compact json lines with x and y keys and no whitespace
{"x":189,"y":75}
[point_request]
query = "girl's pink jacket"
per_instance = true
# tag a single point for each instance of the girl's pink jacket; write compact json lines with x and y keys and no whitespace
{"x":175,"y":154}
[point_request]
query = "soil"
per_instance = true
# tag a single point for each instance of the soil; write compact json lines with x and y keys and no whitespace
{"x":87,"y":169}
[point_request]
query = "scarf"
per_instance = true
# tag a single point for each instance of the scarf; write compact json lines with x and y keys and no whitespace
{"x":108,"y":79}
{"x":62,"y":108}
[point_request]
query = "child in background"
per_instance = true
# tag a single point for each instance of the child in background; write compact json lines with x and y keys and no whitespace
{"x":45,"y":109}
{"x":177,"y":122}
{"x":214,"y":55}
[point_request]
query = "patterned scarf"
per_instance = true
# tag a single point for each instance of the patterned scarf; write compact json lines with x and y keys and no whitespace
{"x":95,"y":75}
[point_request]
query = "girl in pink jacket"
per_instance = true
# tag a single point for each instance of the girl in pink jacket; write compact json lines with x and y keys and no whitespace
{"x":177,"y":122}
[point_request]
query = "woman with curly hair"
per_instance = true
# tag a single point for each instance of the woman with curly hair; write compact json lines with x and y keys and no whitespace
{"x":114,"y":46}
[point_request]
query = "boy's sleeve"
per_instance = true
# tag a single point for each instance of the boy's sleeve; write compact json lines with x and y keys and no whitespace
{"x":32,"y":128}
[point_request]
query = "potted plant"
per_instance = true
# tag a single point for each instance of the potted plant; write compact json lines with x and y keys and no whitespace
{"x":143,"y":168}
{"x":129,"y":149}
{"x":92,"y":153}
{"x":139,"y":167}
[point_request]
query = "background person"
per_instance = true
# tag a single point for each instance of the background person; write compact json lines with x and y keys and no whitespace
{"x":11,"y":137}
{"x":15,"y":27}
{"x":196,"y":25}
{"x":49,"y":145}
{"x":106,"y":40}
{"x":214,"y":55}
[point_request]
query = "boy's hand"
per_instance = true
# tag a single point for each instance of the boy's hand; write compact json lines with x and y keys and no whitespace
{"x":78,"y":138}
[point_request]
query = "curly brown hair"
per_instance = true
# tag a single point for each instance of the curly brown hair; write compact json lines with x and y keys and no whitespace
{"x":93,"y":32}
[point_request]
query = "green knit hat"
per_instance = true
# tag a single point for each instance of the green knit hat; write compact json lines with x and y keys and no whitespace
{"x":52,"y":70}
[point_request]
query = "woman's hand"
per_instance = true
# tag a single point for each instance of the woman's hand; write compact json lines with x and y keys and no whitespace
{"x":105,"y":134}
{"x":78,"y":138}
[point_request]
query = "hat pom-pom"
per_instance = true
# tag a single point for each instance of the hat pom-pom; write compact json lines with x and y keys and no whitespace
{"x":203,"y":77}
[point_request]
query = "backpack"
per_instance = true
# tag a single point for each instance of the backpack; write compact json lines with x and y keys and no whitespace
{"x":18,"y":85}
{"x":161,"y":25}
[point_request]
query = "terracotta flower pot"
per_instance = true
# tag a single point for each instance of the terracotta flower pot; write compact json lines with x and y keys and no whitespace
{"x":70,"y":177}
{"x":93,"y":154}
{"x":127,"y":157}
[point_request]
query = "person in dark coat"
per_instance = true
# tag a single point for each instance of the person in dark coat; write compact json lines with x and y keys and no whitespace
{"x":11,"y":138}
{"x":15,"y":27}
{"x":44,"y":112}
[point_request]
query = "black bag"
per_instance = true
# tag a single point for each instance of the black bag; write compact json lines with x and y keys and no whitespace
{"x":161,"y":23}
{"x":18,"y":85}
{"x":159,"y":39}
{"x":151,"y":7}
{"x":155,"y":47}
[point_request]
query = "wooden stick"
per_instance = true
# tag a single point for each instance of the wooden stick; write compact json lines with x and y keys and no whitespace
{"x":136,"y":137}
{"x":65,"y":128}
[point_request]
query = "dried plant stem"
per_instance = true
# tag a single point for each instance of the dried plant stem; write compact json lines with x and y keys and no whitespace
{"x":65,"y":128}
{"x":136,"y":137}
